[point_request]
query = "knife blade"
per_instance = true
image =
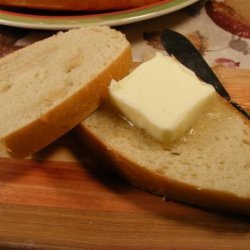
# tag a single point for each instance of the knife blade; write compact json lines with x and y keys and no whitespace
{"x":183,"y":50}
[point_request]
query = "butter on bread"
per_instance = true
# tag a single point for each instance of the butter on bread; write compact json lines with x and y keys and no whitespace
{"x":207,"y":167}
{"x":162,"y":97}
{"x":47,"y":88}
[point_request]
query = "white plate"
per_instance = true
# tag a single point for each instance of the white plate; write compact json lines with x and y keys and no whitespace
{"x":40,"y":20}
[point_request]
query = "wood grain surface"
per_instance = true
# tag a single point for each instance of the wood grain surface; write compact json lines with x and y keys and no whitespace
{"x":46,"y":204}
{"x":63,"y":199}
{"x":237,"y":83}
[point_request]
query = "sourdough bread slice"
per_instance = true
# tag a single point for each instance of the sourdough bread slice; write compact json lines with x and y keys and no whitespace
{"x":208,"y":167}
{"x":48,"y":87}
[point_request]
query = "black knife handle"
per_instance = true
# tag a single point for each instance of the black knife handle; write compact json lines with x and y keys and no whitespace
{"x":184,"y":51}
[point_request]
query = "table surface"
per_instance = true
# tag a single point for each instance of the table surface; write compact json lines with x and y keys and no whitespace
{"x":62,"y":198}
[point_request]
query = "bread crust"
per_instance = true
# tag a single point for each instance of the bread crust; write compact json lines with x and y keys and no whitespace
{"x":68,"y":114}
{"x":71,"y":5}
{"x":161,"y":185}
{"x":228,"y":18}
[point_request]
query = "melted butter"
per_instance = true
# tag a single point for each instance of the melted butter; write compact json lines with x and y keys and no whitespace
{"x":206,"y":121}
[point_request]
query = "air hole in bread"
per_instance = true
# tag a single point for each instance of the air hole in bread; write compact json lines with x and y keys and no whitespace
{"x":48,"y":102}
{"x":217,"y":138}
{"x":74,"y":62}
{"x":161,"y":170}
{"x":175,"y":153}
{"x":207,"y":166}
{"x":194,"y":175}
{"x":166,"y":147}
{"x":246,"y":141}
{"x":5,"y":86}
{"x":247,"y":166}
{"x":246,"y":132}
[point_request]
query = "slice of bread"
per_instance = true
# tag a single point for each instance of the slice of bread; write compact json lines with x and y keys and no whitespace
{"x":208,"y":167}
{"x":48,"y":87}
{"x":241,"y":7}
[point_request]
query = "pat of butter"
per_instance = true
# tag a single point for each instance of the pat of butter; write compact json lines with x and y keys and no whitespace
{"x":162,"y":97}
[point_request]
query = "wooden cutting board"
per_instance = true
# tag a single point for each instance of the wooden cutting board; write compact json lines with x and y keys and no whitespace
{"x":64,"y":199}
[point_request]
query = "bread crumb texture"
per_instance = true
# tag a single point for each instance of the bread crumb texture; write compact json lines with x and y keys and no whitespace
{"x":36,"y":79}
{"x":214,"y":154}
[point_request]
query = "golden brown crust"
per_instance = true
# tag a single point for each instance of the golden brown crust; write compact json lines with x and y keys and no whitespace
{"x":227,"y":17}
{"x":68,"y":114}
{"x":159,"y":184}
{"x":78,"y":4}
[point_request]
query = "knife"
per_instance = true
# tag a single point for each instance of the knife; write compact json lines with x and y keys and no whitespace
{"x":184,"y":51}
